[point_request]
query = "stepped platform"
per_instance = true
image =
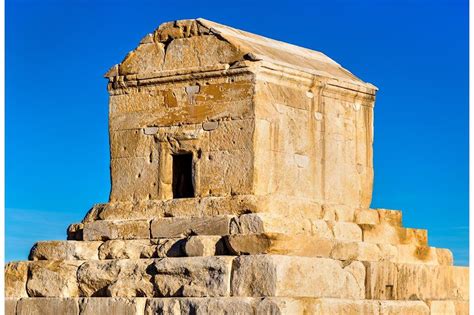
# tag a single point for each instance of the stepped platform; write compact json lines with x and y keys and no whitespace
{"x":242,"y":176}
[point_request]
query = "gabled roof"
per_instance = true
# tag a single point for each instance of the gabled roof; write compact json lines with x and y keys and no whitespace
{"x":243,"y":46}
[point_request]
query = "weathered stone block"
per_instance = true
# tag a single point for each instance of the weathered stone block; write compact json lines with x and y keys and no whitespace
{"x":201,"y":306}
{"x":392,"y":281}
{"x":204,"y":245}
{"x":10,"y":305}
{"x":341,"y":306}
{"x":16,"y":274}
{"x":116,"y":278}
{"x":108,"y":230}
{"x":193,"y":276}
{"x":442,"y":307}
{"x":113,"y":305}
{"x":182,"y":226}
{"x":356,"y":251}
{"x":270,"y":223}
{"x":274,"y":275}
{"x":55,"y":278}
{"x":48,"y":306}
{"x":346,"y":231}
{"x":392,"y":217}
{"x":65,"y":250}
{"x":134,"y":178}
{"x":367,"y":217}
{"x":279,"y":244}
{"x":389,"y":234}
{"x":127,"y":249}
{"x":403,"y":307}
{"x":413,"y":254}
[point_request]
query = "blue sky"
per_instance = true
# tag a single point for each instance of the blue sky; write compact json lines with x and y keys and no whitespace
{"x":416,"y":52}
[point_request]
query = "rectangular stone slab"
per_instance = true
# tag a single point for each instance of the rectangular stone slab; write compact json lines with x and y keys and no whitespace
{"x":314,"y":246}
{"x":179,"y":226}
{"x":393,"y":281}
{"x":193,"y":276}
{"x":47,"y":306}
{"x":293,"y":276}
{"x":65,"y":250}
{"x":231,"y":305}
{"x":390,"y":234}
{"x":108,"y":230}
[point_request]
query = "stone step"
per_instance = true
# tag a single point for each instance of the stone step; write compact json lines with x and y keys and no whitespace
{"x":237,"y":244}
{"x":242,"y":276}
{"x":236,"y":205}
{"x":313,"y":246}
{"x":173,"y":227}
{"x":228,"y":305}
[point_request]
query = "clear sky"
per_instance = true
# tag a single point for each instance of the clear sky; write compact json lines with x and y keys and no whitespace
{"x":416,"y":52}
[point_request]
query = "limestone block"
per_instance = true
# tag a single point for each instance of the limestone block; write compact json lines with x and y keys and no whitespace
{"x":200,"y":306}
{"x":381,"y":282}
{"x":270,"y":223}
{"x":232,"y":135}
{"x":16,"y":274}
{"x":342,"y":212}
{"x":346,"y":231}
{"x":462,"y":307}
{"x":292,"y":276}
{"x":132,"y":143}
{"x":442,"y":307}
{"x":127,"y":249}
{"x":146,"y":58}
{"x":392,"y":217}
{"x":412,"y":254}
{"x":55,"y":278}
{"x":193,"y":276}
{"x":279,"y":244}
{"x":10,"y":305}
{"x":403,"y":307}
{"x":367,"y":217}
{"x":65,"y":250}
{"x":134,"y":178}
{"x":106,"y":230}
{"x":179,"y":226}
{"x":321,"y":229}
{"x":226,"y":173}
{"x":74,"y":231}
{"x":388,"y":252}
{"x":116,"y":278}
{"x":115,"y":306}
{"x":416,"y":281}
{"x":199,"y":51}
{"x":356,"y":251}
{"x":341,"y":306}
{"x":47,"y":306}
{"x":272,"y":305}
{"x":389,"y":234}
{"x":204,"y":245}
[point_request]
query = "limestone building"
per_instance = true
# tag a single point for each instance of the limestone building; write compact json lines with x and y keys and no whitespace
{"x":242,"y":177}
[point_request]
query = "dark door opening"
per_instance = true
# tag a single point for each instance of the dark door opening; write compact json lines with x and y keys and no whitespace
{"x":183,"y":176}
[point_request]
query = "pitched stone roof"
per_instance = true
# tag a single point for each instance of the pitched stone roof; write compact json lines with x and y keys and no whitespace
{"x":243,"y":46}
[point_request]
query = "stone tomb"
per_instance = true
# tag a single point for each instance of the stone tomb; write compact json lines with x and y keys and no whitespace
{"x":242,"y":177}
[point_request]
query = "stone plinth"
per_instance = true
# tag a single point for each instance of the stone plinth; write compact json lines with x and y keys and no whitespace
{"x":241,"y":183}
